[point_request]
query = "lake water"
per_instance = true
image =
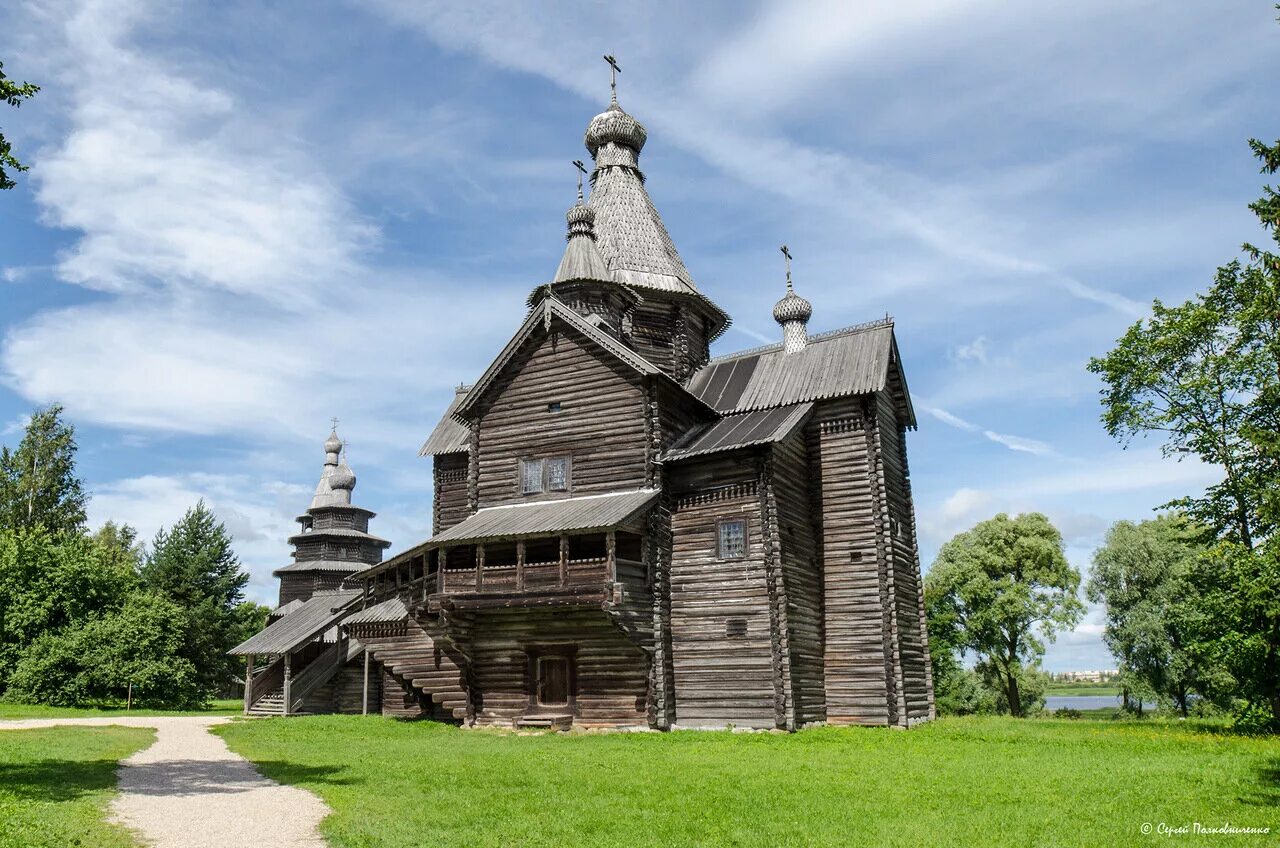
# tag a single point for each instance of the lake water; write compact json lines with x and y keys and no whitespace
{"x":1083,"y":702}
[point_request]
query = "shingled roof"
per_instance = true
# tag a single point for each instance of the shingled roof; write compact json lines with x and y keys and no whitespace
{"x":305,"y":623}
{"x":450,"y":434}
{"x":852,"y":361}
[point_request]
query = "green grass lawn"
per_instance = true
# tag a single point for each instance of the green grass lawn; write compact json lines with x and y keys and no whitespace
{"x":55,"y":785}
{"x":16,"y":711}
{"x":971,"y":781}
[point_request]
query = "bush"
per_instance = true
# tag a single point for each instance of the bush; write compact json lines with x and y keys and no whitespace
{"x":1068,"y":712}
{"x":96,"y":662}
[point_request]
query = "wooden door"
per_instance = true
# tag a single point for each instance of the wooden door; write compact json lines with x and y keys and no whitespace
{"x":553,"y":681}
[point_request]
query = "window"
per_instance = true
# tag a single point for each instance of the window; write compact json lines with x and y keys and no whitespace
{"x":735,"y":628}
{"x":530,"y":476}
{"x":554,"y":406}
{"x":544,"y":475}
{"x":731,"y":538}
{"x":558,"y":474}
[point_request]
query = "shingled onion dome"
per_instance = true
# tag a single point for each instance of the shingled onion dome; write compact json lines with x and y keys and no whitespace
{"x":793,"y":313}
{"x":332,"y":446}
{"x":616,"y":126}
{"x":343,"y":479}
{"x":582,"y":259}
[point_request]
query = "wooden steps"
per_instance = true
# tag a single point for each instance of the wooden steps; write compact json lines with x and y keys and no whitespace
{"x":544,"y":722}
{"x":415,"y":660}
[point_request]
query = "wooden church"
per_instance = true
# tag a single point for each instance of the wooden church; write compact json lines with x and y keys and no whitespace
{"x":628,"y":532}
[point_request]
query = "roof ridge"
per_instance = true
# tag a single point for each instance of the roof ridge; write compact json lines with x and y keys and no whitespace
{"x":815,"y":337}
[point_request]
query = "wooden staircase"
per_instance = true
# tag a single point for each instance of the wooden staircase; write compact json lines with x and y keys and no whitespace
{"x":416,"y":660}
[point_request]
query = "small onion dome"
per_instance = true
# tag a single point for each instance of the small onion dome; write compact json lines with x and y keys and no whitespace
{"x":332,"y":444}
{"x":343,"y":478}
{"x":792,"y":307}
{"x":617,"y":126}
{"x":581,"y":220}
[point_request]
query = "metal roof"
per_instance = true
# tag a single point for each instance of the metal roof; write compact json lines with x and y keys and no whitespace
{"x":450,"y":434}
{"x":757,"y":427}
{"x":392,"y":609}
{"x":852,"y":361}
{"x":307,"y":622}
{"x":323,"y":565}
{"x":591,"y":512}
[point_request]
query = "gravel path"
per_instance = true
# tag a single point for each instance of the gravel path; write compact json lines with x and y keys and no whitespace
{"x":189,"y":791}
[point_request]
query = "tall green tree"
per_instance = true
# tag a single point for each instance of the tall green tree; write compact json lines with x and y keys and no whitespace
{"x":1000,"y":590}
{"x":12,"y":93}
{"x":1141,"y":574}
{"x":1204,"y":378}
{"x":193,"y":564}
{"x":38,"y":482}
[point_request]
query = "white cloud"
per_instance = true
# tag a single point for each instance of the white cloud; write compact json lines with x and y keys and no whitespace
{"x":1013,"y":443}
{"x":256,"y":510}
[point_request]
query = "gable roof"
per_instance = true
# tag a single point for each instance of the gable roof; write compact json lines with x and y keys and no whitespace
{"x":851,"y":361}
{"x":450,"y":434}
{"x":758,"y":427}
{"x":542,"y":314}
{"x":305,"y":623}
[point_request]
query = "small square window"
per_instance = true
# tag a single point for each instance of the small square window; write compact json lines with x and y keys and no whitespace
{"x":554,"y":406}
{"x":530,"y":476}
{"x":558,"y":474}
{"x":731,"y":538}
{"x":735,"y":628}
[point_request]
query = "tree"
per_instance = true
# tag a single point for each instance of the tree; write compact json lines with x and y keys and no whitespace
{"x":38,"y":483}
{"x":194,"y":566}
{"x":1205,"y":378}
{"x":996,"y":590}
{"x":136,"y":650}
{"x":49,"y":582}
{"x":1141,"y":574}
{"x":12,"y":93}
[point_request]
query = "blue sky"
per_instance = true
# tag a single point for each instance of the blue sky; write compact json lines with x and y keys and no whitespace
{"x":241,"y":221}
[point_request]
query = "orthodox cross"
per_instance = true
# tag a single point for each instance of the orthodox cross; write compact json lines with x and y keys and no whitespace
{"x":614,"y":70}
{"x":582,"y":172}
{"x":334,"y":422}
{"x":787,"y":253}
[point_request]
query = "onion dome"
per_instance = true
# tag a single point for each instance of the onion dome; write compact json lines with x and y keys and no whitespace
{"x":333,"y":444}
{"x":792,"y":307}
{"x":581,"y":219}
{"x":343,"y":478}
{"x":616,"y":126}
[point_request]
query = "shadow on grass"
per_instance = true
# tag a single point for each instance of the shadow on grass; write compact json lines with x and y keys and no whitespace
{"x":56,"y":780}
{"x":175,"y":778}
{"x":1268,"y":792}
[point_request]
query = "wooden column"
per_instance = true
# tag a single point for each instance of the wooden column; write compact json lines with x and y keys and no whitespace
{"x":248,"y":682}
{"x":480,"y":568}
{"x":442,"y":559}
{"x":564,"y":561}
{"x":611,"y":557}
{"x":288,"y":674}
{"x":520,"y":565}
{"x":364,"y":693}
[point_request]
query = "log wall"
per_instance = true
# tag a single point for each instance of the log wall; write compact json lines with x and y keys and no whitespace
{"x":917,"y":685}
{"x":600,"y":424}
{"x":721,"y":647}
{"x":802,"y":576}
{"x":449,"y":500}
{"x":610,"y":680}
{"x":856,"y":679}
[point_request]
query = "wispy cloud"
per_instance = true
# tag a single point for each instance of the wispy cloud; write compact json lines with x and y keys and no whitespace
{"x":1014,"y":443}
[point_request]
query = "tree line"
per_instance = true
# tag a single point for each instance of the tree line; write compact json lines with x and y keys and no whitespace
{"x":92,"y":618}
{"x":1192,"y":597}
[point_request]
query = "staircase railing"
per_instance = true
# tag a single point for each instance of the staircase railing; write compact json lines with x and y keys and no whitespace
{"x":319,"y":670}
{"x":267,"y":681}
